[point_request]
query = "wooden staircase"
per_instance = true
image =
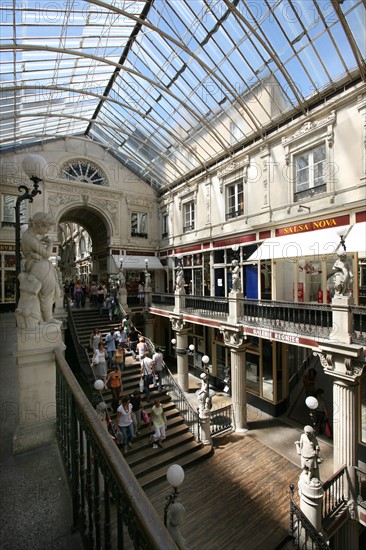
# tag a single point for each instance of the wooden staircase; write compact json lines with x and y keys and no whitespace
{"x":180,"y":447}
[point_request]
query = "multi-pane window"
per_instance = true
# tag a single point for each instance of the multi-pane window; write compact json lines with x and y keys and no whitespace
{"x":188,"y":213}
{"x":165,"y":226}
{"x":234,"y":200}
{"x":139,"y":224}
{"x":310,"y":172}
{"x":9,"y":210}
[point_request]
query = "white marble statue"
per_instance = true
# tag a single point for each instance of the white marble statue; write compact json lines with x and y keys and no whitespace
{"x":122,"y":278}
{"x":236,"y":282}
{"x":342,"y":277}
{"x":203,"y":394}
{"x":147,"y":280}
{"x":175,"y":517}
{"x":179,"y":279}
{"x":44,"y":284}
{"x":309,"y":450}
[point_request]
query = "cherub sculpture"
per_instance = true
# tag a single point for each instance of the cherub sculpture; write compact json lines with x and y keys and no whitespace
{"x":342,"y":277}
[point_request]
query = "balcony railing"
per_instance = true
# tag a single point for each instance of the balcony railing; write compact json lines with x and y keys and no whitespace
{"x":110,"y":509}
{"x":206,"y":306}
{"x":359,"y":324}
{"x":334,"y":493}
{"x":300,"y":318}
{"x":221,"y":420}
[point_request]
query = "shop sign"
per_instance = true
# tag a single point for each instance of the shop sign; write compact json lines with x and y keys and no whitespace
{"x":280,"y":336}
{"x":326,"y":223}
{"x":7,"y":247}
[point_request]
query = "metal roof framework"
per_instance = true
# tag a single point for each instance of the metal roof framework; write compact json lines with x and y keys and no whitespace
{"x":155,"y":81}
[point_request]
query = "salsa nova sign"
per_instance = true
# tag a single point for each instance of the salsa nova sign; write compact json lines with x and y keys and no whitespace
{"x":313,"y":225}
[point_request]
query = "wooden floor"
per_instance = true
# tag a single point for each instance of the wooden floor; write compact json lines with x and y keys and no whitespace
{"x":237,"y":499}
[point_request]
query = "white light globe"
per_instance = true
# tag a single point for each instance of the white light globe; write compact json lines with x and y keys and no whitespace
{"x":174,"y":341}
{"x":99,"y":385}
{"x":191,"y":347}
{"x":205,"y":359}
{"x":35,"y":165}
{"x":311,"y":402}
{"x":175,"y":475}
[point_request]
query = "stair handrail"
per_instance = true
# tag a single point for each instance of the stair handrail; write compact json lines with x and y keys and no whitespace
{"x":190,"y":415}
{"x":77,"y":343}
{"x":90,"y":456}
{"x":302,"y":530}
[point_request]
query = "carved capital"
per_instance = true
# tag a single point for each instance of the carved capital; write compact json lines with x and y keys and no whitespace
{"x":232,"y":337}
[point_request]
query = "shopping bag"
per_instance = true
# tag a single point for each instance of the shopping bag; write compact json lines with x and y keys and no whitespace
{"x":145,"y":417}
{"x":328,"y":431}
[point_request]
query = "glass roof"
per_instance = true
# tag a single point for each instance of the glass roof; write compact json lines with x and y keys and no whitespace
{"x":170,"y":86}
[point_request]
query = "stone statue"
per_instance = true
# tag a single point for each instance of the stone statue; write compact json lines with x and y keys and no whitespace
{"x":122,"y":278}
{"x":175,"y":517}
{"x":147,"y":280}
{"x":179,"y":279}
{"x":342,"y":277}
{"x":203,"y":393}
{"x":309,"y":450}
{"x":236,"y":282}
{"x":44,"y":284}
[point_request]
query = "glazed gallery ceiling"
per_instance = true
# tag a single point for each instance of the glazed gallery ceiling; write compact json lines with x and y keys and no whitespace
{"x":170,"y":87}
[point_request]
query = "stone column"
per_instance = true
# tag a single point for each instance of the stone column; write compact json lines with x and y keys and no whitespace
{"x":344,"y":361}
{"x":148,"y":326}
{"x":37,"y":385}
{"x":238,"y":389}
{"x":181,"y":335}
{"x":205,"y":419}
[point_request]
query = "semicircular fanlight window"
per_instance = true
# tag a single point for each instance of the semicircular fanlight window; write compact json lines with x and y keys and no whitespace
{"x":83,"y":171}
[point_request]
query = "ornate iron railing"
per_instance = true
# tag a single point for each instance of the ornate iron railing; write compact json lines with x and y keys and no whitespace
{"x":334,"y":493}
{"x":302,"y":531}
{"x":221,"y":420}
{"x":190,"y":415}
{"x":359,"y":324}
{"x":205,"y":306}
{"x":109,"y":507}
{"x":299,"y":318}
{"x":361,"y":492}
{"x":81,"y":350}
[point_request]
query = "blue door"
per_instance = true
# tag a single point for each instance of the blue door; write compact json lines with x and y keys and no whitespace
{"x":251,"y":282}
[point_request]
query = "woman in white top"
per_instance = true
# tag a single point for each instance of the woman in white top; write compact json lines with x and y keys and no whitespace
{"x":99,"y":362}
{"x":141,"y":348}
{"x":125,"y":422}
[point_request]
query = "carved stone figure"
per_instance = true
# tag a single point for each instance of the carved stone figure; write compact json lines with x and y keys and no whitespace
{"x":28,"y":312}
{"x":236,"y":282}
{"x":342,"y":277}
{"x":122,"y":278}
{"x":179,"y":279}
{"x":36,"y":247}
{"x":309,"y":450}
{"x":147,"y":280}
{"x":203,"y":393}
{"x":175,"y":517}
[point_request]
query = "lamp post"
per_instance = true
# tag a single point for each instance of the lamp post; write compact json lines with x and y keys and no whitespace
{"x":312,"y":403}
{"x":182,"y":351}
{"x":175,"y":477}
{"x":33,"y":166}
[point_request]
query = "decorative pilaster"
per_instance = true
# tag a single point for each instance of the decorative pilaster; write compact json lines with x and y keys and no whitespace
{"x":181,"y":346}
{"x":233,"y":338}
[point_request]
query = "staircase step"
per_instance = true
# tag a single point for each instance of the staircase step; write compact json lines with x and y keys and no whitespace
{"x":144,"y":455}
{"x":150,"y":478}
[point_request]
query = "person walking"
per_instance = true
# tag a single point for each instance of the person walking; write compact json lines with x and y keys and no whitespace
{"x":141,"y":348}
{"x":136,"y":409}
{"x":94,"y":339}
{"x":100,"y":299}
{"x":114,"y":380}
{"x":110,"y":341}
{"x":119,"y":357}
{"x":158,"y":369}
{"x":125,"y":423}
{"x":98,"y":363}
{"x":147,"y":371}
{"x":159,"y":423}
{"x":133,"y":339}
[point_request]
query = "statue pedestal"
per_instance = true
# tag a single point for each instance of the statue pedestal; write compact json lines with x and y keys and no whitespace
{"x":205,"y":418}
{"x":37,"y":385}
{"x":311,"y":500}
